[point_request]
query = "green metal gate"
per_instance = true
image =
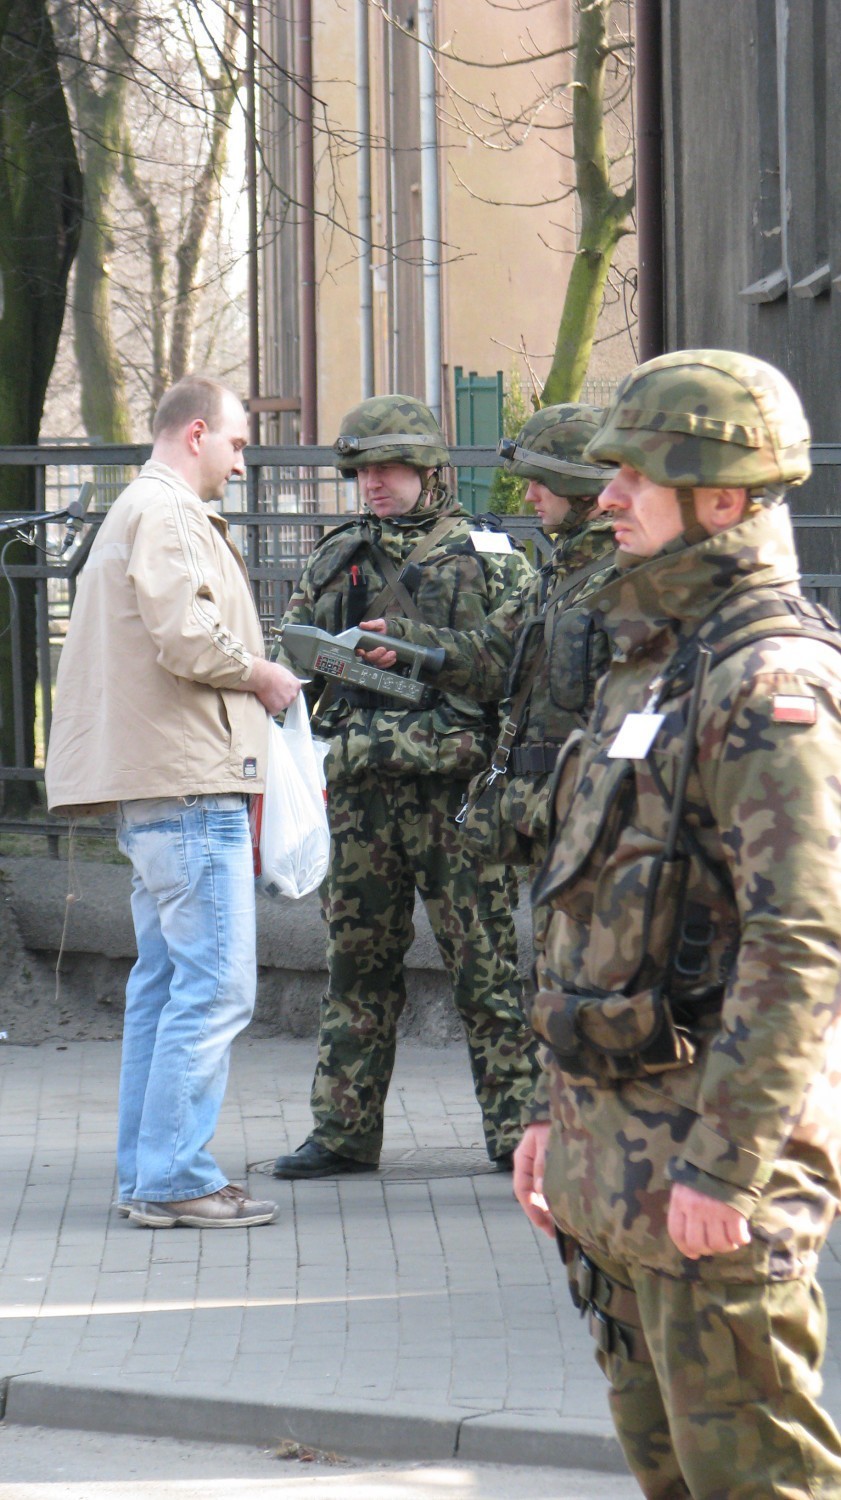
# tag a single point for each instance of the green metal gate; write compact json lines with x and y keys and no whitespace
{"x":478,"y":423}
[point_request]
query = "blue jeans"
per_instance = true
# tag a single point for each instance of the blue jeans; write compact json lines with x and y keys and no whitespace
{"x":191,"y":991}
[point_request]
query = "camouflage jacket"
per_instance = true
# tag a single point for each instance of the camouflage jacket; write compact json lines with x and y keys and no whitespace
{"x":456,"y":586}
{"x":740,"y":1096}
{"x":491,"y":662}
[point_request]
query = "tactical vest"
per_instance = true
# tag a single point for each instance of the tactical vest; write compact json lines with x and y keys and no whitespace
{"x":454,"y":585}
{"x":665,"y":953}
{"x":559,"y":655}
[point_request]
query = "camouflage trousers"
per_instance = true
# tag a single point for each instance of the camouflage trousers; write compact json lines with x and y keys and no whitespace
{"x":713,"y":1386}
{"x":390,"y":838}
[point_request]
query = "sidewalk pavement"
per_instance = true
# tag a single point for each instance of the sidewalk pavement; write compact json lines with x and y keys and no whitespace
{"x":405,"y":1314}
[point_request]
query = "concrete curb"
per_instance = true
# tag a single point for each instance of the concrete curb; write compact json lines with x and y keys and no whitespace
{"x":365,"y":1430}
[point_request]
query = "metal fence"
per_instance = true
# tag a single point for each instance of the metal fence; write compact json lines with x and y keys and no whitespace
{"x":289,"y":498}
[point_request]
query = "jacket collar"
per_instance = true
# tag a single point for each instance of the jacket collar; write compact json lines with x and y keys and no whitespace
{"x":439,"y":503}
{"x":154,"y":469}
{"x":581,"y":540}
{"x":683,"y":584}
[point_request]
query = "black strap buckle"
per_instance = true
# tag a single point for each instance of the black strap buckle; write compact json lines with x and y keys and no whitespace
{"x":586,"y":1277}
{"x":610,"y":1336}
{"x":601,"y":1327}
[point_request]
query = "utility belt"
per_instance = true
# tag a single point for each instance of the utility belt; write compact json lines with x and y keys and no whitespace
{"x":608,"y":1039}
{"x":611,"y":1310}
{"x":534,"y":760}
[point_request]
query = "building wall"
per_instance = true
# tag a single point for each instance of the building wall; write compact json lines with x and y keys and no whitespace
{"x":506,"y":263}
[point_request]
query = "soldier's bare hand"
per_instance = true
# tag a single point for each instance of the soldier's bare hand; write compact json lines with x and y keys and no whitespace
{"x":700,"y":1225}
{"x":529,"y":1160}
{"x":273,"y":684}
{"x":380,"y":656}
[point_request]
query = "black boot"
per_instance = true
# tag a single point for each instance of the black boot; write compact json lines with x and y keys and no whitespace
{"x":314,"y":1160}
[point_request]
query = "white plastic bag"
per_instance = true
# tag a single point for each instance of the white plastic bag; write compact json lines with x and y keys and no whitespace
{"x":289,"y":824}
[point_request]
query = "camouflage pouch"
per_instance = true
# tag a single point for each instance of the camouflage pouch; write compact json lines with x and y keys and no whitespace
{"x":335,"y":554}
{"x":569,"y":653}
{"x":637,"y":915}
{"x":485,"y":824}
{"x":449,"y":739}
{"x":605,"y":1039}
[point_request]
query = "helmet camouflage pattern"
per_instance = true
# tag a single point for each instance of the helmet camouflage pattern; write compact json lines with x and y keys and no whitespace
{"x":388,"y":430}
{"x":707,"y":417}
{"x":549,"y":449}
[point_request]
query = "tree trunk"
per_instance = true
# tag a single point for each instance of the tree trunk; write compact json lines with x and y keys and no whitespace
{"x":105,"y":411}
{"x":604,"y":213}
{"x":102,"y":391}
{"x":205,"y":197}
{"x":158,"y":272}
{"x":40,"y":217}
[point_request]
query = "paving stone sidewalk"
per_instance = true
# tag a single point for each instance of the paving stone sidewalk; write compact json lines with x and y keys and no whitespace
{"x":408,"y":1313}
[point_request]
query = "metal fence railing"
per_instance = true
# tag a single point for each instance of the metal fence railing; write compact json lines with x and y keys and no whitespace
{"x":289,"y":498}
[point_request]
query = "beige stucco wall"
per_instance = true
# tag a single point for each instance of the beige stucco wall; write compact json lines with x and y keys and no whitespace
{"x":507,"y":264}
{"x":506,"y":284}
{"x":334,"y":63}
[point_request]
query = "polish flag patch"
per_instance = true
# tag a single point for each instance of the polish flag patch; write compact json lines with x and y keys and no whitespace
{"x":791,"y":708}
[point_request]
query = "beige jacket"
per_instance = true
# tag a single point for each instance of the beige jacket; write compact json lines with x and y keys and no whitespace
{"x":163,"y":627}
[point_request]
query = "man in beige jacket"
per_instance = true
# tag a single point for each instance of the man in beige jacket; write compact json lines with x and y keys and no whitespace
{"x":161,"y":714}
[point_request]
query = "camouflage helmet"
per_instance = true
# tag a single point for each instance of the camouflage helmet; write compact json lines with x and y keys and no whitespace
{"x":549,"y":448}
{"x":701,"y":417}
{"x":389,"y":430}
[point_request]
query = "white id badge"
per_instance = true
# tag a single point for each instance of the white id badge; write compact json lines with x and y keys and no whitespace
{"x":636,"y":736}
{"x":491,"y":541}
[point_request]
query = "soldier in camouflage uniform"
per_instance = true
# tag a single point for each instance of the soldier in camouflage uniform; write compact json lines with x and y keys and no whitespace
{"x":396,"y":777}
{"x":537,"y":652}
{"x":689,"y":988}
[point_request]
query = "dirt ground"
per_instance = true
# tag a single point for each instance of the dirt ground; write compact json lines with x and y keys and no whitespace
{"x":83,"y":1003}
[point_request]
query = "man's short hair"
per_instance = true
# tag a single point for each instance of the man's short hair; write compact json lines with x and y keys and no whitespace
{"x":193,"y":396}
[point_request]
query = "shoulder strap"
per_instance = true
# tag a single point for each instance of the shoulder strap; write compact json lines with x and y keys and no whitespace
{"x":511,"y":727}
{"x":806,"y":619}
{"x":565,"y":588}
{"x":393,"y":586}
{"x":796,"y":616}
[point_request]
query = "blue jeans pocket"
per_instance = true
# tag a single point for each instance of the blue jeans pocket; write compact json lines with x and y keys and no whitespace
{"x":227,"y":828}
{"x":156,"y":851}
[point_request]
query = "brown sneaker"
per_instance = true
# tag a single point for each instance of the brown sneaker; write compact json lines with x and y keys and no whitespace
{"x":229,"y":1208}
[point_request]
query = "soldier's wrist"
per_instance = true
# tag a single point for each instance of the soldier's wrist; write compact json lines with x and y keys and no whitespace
{"x":681,"y":1171}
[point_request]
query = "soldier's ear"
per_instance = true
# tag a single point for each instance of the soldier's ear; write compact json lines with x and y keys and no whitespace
{"x":717,"y":509}
{"x":734,"y":503}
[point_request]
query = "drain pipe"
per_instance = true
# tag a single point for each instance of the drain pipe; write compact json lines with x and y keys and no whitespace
{"x":650,"y":247}
{"x":391,"y":210}
{"x":253,"y":252}
{"x":431,"y":210}
{"x":306,"y":199}
{"x":366,"y":247}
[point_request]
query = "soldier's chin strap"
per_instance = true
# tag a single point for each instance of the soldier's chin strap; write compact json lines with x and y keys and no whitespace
{"x":431,"y":485}
{"x":582,"y":507}
{"x":693,"y":531}
{"x":770,"y":494}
